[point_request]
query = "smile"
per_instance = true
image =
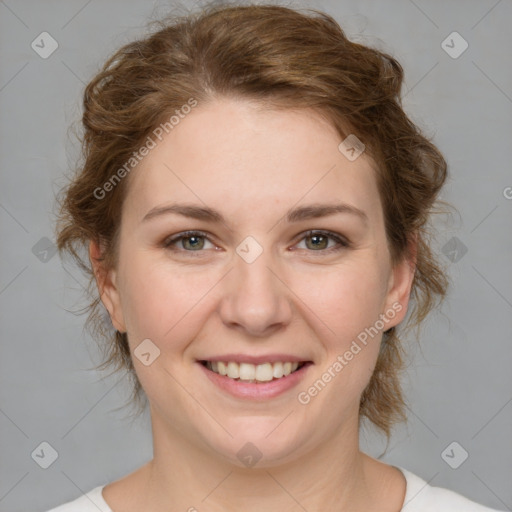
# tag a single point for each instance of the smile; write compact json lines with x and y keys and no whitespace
{"x":260,"y":381}
{"x":247,"y":372}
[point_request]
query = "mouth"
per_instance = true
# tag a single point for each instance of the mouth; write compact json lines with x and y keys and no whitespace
{"x":255,"y":373}
{"x":251,"y":377}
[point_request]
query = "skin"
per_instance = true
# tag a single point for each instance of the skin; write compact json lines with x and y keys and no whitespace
{"x":252,"y":165}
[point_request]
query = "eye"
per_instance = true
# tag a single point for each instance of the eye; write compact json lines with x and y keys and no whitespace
{"x":191,"y":241}
{"x":316,"y":241}
{"x":319,"y":241}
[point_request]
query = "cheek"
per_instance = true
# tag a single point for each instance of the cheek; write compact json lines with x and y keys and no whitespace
{"x":162,"y":303}
{"x":165,"y":303}
{"x":347,"y":304}
{"x":347,"y":298}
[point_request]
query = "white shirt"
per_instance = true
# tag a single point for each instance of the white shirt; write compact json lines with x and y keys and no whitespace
{"x":419,"y":497}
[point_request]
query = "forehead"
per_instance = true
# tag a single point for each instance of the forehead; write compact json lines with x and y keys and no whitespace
{"x":231,"y":153}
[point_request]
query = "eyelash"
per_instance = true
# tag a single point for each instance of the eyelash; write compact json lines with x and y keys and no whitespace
{"x":342,"y":242}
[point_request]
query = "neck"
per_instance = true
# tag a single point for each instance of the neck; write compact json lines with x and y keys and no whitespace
{"x":185,"y":476}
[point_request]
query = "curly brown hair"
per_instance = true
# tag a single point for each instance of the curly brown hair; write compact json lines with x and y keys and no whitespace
{"x":284,"y":59}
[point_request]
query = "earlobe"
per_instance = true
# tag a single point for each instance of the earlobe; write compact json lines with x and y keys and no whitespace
{"x":401,"y":279}
{"x":107,"y":287}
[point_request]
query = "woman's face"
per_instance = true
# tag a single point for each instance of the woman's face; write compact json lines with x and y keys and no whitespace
{"x":255,"y":287}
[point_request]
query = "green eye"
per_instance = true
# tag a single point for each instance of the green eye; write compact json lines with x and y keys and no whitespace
{"x":316,"y":241}
{"x":194,"y":242}
{"x":320,"y":241}
{"x":191,"y":241}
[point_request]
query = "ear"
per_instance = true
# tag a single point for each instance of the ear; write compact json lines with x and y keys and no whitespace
{"x":400,"y":282}
{"x":107,"y":288}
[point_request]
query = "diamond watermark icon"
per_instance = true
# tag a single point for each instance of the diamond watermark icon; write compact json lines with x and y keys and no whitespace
{"x":44,"y":455}
{"x":146,"y":352}
{"x":44,"y":45}
{"x":454,"y":455}
{"x":44,"y":250}
{"x":454,"y":249}
{"x":454,"y":45}
{"x":249,"y":455}
{"x":249,"y":249}
{"x":351,"y":147}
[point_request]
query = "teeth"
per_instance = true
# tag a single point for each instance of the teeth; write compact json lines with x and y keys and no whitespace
{"x":253,"y":373}
{"x":233,"y":370}
{"x":264,"y":372}
{"x":246,"y":372}
{"x":222,"y":368}
{"x":278,"y":370}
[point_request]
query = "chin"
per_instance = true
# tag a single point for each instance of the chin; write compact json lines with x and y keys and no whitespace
{"x":257,"y":443}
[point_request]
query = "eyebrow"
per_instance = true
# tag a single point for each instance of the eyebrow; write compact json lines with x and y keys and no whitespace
{"x":301,"y":213}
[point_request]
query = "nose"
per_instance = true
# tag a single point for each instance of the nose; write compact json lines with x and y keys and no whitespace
{"x":256,"y":300}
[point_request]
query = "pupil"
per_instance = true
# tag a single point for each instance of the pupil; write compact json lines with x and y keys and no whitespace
{"x":193,"y":241}
{"x":315,"y":239}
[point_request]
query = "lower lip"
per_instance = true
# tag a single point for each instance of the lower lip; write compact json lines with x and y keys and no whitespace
{"x":256,"y":391}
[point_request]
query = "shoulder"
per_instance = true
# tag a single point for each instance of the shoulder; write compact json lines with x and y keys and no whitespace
{"x":90,"y":502}
{"x":422,"y":497}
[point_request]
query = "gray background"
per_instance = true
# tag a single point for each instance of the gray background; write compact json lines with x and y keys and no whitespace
{"x":459,"y":383}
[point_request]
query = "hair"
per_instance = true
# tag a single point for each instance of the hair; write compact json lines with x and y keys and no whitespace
{"x":279,"y":58}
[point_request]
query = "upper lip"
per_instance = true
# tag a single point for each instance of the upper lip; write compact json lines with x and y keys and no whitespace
{"x":268,"y":358}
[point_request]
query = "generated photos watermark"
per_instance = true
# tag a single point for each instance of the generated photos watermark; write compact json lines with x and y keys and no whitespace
{"x":342,"y":360}
{"x":151,"y":143}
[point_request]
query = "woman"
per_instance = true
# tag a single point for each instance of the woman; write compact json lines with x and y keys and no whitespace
{"x":255,"y":203}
